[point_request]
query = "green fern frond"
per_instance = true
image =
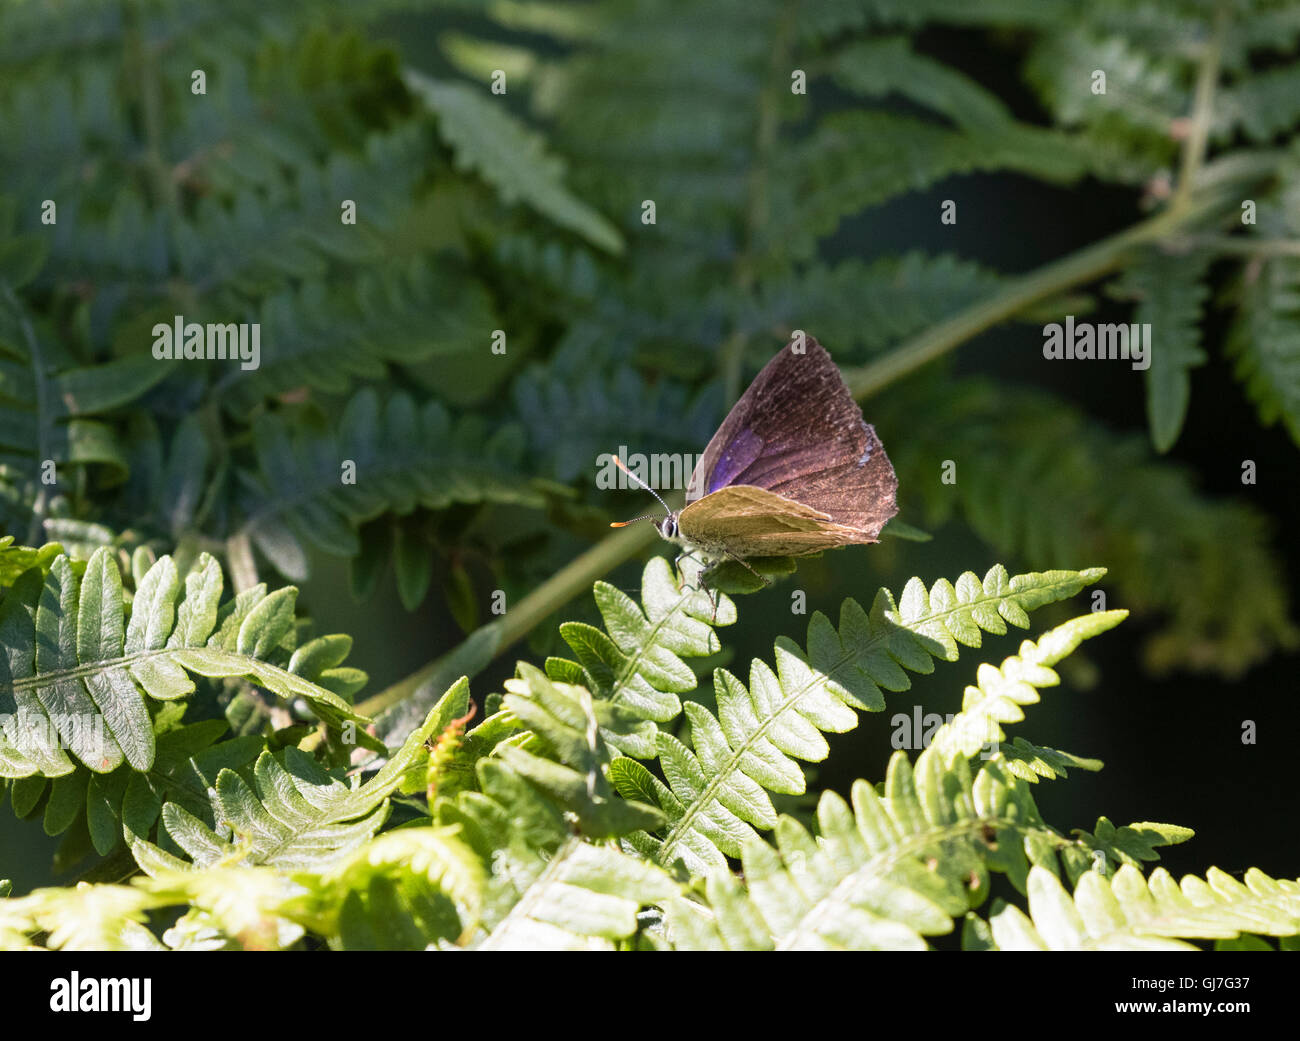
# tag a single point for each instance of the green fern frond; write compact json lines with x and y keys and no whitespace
{"x":1031,"y":762}
{"x":404,"y":890}
{"x":404,"y":456}
{"x":76,"y":671}
{"x":1264,"y":339}
{"x":1129,"y":912}
{"x":572,"y":727}
{"x":883,"y":873}
{"x":547,"y":889}
{"x":1262,"y":105}
{"x":1125,"y":129}
{"x":858,"y":159}
{"x":1170,"y":292}
{"x":327,"y":338}
{"x":295,"y":815}
{"x":47,"y":407}
{"x":636,"y":661}
{"x":81,"y":918}
{"x":871,"y":306}
{"x":490,"y":141}
{"x":905,"y":862}
{"x":1204,"y":566}
{"x":1000,"y":691}
{"x":1133,"y":844}
{"x":718,"y":789}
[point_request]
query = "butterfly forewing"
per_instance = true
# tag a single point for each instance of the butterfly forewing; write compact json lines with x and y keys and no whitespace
{"x":797,"y":432}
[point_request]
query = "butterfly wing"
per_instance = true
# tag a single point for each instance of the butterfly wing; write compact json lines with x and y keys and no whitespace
{"x":797,"y":432}
{"x":745,"y":521}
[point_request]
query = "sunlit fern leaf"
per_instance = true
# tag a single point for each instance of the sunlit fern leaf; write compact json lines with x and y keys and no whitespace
{"x":1134,"y":845}
{"x":295,"y":814}
{"x":574,"y":727}
{"x":230,"y":906}
{"x":718,"y":787}
{"x":76,"y":671}
{"x":637,"y":661}
{"x":883,"y":873}
{"x":1031,"y":762}
{"x":1129,"y":912}
{"x":16,"y":558}
{"x":403,"y":890}
{"x":1001,"y":690}
{"x":84,"y":918}
{"x":547,"y":889}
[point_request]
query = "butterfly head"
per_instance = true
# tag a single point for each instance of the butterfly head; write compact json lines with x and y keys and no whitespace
{"x":667,"y":526}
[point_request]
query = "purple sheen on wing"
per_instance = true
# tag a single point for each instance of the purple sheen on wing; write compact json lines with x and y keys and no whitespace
{"x":744,"y":448}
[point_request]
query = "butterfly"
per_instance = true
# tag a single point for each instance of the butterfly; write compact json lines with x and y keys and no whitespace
{"x":794,"y":469}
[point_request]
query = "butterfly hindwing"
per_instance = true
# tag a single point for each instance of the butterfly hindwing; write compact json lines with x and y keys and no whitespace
{"x":744,"y":521}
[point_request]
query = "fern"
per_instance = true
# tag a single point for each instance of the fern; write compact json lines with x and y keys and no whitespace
{"x":547,"y":889}
{"x":497,"y":147}
{"x":1169,"y":292}
{"x":46,"y":405}
{"x":75,"y":666}
{"x":598,"y":803}
{"x":295,"y":815}
{"x":1084,"y":492}
{"x":1129,"y":912}
{"x":304,"y":493}
{"x":716,"y":791}
{"x":906,"y":862}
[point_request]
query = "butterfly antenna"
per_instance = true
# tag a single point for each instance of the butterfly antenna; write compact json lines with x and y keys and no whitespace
{"x":622,"y":524}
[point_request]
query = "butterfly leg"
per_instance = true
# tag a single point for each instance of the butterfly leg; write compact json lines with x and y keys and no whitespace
{"x":699,"y":578}
{"x":741,"y":560}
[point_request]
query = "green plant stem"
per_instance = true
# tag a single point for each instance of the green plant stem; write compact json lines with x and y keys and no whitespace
{"x":1198,"y":136}
{"x":571,"y":581}
{"x":1076,"y":269}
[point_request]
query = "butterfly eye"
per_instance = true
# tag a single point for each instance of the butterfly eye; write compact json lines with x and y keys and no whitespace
{"x":669,"y":527}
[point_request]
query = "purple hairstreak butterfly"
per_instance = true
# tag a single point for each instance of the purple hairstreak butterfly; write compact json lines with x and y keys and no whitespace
{"x":794,"y":469}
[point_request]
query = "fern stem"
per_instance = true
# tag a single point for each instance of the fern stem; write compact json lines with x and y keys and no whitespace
{"x":1078,"y":268}
{"x":1239,"y":247}
{"x":1198,"y":136}
{"x":144,"y":60}
{"x":569,"y":582}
